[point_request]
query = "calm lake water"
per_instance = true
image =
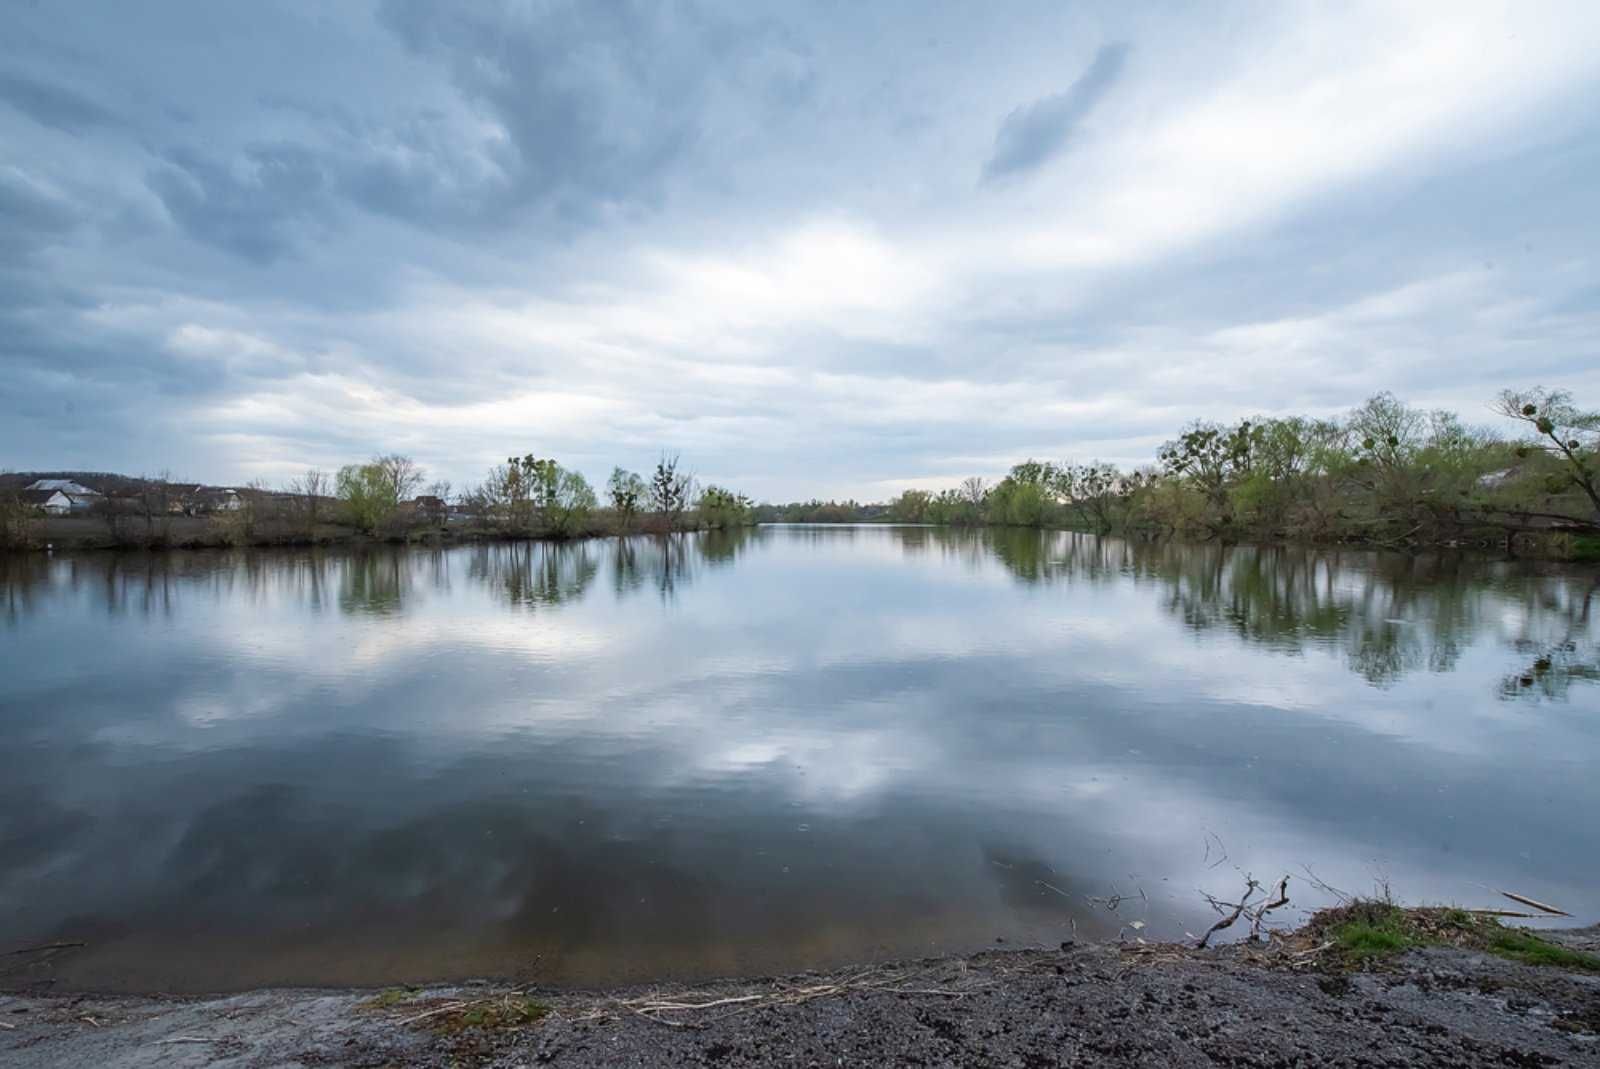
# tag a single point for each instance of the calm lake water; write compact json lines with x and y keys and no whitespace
{"x":771,"y":750}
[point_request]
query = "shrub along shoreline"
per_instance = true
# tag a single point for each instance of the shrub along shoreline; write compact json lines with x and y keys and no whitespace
{"x":75,"y":534}
{"x":1385,"y":475}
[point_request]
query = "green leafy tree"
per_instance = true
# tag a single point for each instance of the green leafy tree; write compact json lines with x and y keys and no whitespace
{"x":1015,"y":502}
{"x":568,"y":503}
{"x":1209,"y":458}
{"x":946,"y":507}
{"x":628,"y":494}
{"x":721,"y":509}
{"x":911,"y":506}
{"x":372,"y":492}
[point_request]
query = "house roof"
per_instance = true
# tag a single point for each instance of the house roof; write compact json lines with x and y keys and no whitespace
{"x":66,"y":486}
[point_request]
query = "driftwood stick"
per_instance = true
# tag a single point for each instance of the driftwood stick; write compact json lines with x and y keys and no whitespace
{"x":648,"y":1005}
{"x":1500,"y":913}
{"x":1535,"y":904}
{"x":437,"y":1010}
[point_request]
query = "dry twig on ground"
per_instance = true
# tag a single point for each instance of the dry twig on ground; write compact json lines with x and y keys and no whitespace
{"x":680,"y":1009}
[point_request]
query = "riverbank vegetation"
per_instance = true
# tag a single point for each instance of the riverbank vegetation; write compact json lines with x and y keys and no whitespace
{"x":818,"y":511}
{"x":385,"y":499}
{"x":1386,"y":475}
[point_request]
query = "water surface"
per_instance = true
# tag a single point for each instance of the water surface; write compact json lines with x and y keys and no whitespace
{"x":771,"y":750}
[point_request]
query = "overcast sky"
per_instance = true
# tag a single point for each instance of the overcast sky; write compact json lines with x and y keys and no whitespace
{"x":816,"y":248}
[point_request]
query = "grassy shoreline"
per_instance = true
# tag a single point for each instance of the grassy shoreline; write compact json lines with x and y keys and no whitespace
{"x":75,"y":534}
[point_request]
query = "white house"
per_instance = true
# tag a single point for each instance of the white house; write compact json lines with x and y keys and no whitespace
{"x":221,"y":499}
{"x":50,"y":502}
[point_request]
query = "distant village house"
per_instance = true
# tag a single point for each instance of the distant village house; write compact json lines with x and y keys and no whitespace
{"x":197,"y":499}
{"x":426,"y":507}
{"x":60,"y":497}
{"x":50,"y":502}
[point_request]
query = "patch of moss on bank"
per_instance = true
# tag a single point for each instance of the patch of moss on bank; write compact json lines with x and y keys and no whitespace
{"x":393,"y":996}
{"x":491,"y":1015}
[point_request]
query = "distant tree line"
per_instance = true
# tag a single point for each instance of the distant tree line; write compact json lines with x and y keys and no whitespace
{"x":818,"y":511}
{"x":1385,"y":474}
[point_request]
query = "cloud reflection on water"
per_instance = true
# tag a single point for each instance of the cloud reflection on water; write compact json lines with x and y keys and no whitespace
{"x":762,"y":750}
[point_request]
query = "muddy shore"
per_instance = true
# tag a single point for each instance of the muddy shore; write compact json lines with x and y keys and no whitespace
{"x":1101,"y":1005}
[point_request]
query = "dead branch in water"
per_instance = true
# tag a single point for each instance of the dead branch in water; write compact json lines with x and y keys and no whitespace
{"x":1227,"y":922}
{"x":1255,"y":912}
{"x":1260,"y":914}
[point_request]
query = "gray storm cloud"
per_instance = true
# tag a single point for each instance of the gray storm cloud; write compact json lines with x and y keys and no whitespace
{"x":751,"y":234}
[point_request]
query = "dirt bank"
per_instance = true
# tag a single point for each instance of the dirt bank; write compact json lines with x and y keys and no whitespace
{"x":1078,"y":1005}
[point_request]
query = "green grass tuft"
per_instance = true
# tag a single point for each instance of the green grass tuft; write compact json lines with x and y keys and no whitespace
{"x":1364,"y":932}
{"x":1531,"y":950}
{"x":1375,"y":930}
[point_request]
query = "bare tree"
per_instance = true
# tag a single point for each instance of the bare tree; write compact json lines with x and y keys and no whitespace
{"x":18,"y":521}
{"x":153,"y":502}
{"x":402,"y":474}
{"x":309,"y":491}
{"x":1565,"y":432}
